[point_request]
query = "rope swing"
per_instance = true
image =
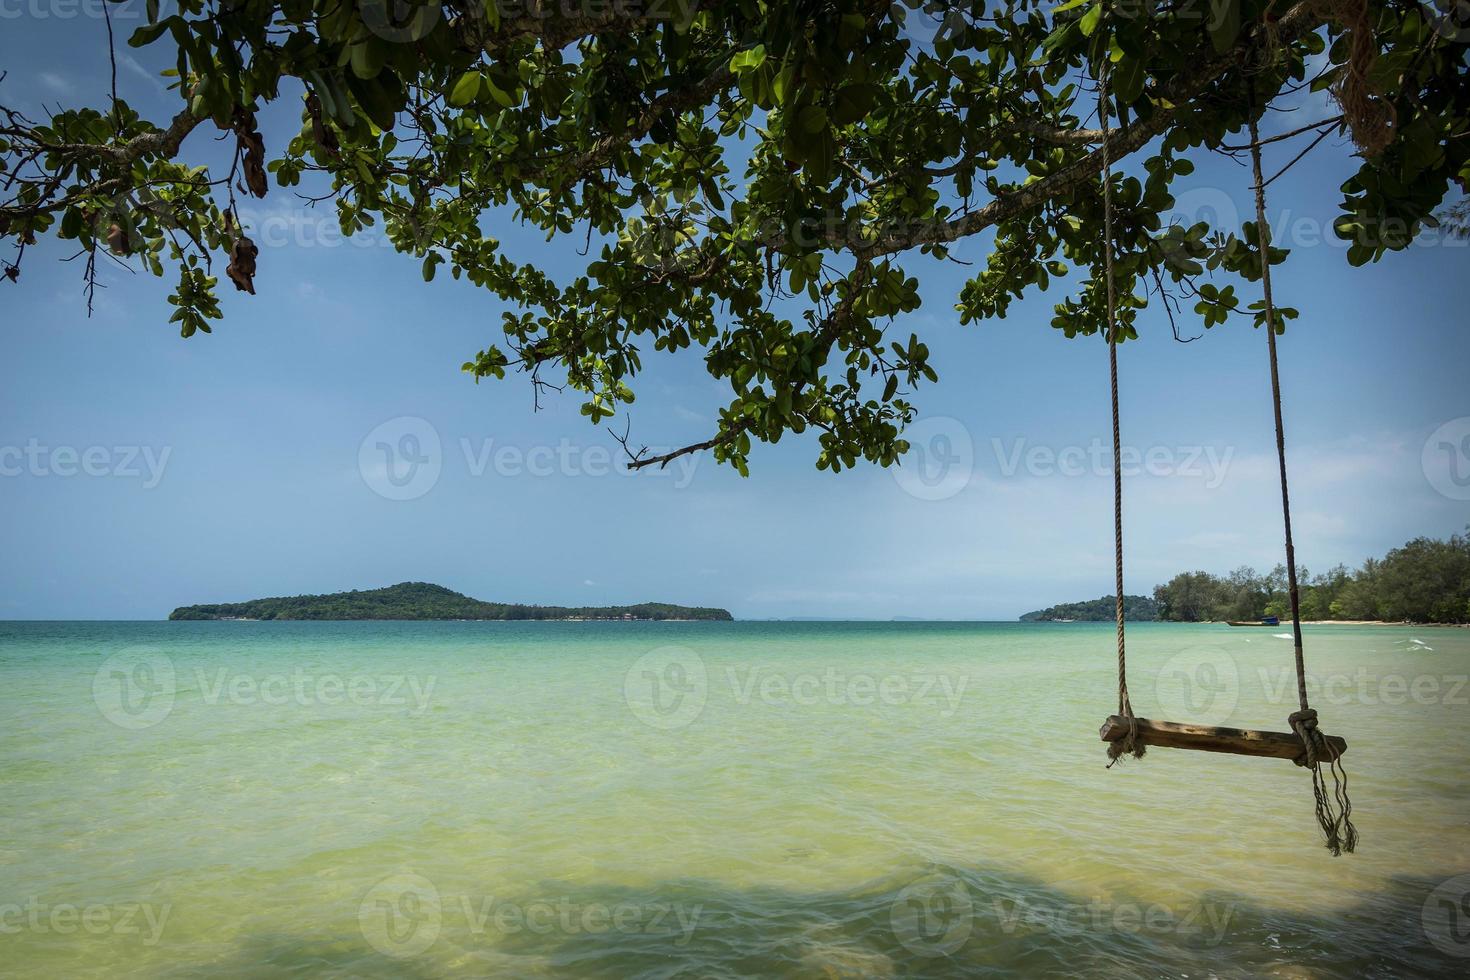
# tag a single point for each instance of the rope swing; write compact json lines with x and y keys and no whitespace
{"x":1129,"y":735}
{"x":1130,"y":743}
{"x":1334,"y":812}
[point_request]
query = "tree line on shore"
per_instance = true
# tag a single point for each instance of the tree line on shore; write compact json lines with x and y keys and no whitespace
{"x":1424,"y":581}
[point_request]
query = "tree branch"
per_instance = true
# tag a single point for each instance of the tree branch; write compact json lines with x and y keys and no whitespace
{"x":827,"y":335}
{"x":1179,"y":93}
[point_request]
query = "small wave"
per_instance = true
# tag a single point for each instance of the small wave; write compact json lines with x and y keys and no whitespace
{"x":1282,"y":636}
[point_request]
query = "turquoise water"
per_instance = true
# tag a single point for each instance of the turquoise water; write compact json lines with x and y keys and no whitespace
{"x":715,"y":800}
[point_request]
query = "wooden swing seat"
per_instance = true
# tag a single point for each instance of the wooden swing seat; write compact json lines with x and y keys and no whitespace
{"x":1211,"y":738}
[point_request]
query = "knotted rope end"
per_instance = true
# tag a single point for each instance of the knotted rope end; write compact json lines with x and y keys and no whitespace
{"x":1334,"y":810}
{"x":1131,"y":744}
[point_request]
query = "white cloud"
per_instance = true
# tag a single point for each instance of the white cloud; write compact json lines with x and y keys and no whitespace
{"x":132,"y":65}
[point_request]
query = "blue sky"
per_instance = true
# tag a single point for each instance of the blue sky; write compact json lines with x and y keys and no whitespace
{"x":248,"y":474}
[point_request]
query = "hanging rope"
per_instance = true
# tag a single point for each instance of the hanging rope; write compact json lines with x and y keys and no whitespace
{"x":1130,"y":744}
{"x":1334,"y":811}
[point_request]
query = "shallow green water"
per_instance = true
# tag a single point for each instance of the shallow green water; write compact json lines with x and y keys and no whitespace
{"x":706,"y":800}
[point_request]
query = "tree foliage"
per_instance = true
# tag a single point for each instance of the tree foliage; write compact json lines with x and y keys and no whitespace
{"x":1137,"y":608}
{"x":421,"y":600}
{"x":1425,"y":581}
{"x":753,"y":179}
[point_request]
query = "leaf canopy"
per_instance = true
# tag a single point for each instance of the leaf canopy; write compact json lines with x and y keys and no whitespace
{"x":751,"y":175}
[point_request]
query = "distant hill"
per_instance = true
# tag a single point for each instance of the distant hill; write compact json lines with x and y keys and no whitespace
{"x":1140,"y":608}
{"x":420,"y":600}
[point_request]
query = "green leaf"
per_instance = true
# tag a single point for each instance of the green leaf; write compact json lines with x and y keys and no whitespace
{"x":148,"y":33}
{"x":749,"y":60}
{"x":1062,"y":37}
{"x":781,"y":84}
{"x":71,"y":223}
{"x":466,"y":90}
{"x":1128,"y":78}
{"x":499,"y":94}
{"x":367,"y":57}
{"x":854,"y":102}
{"x":812,"y":119}
{"x":1091,"y":19}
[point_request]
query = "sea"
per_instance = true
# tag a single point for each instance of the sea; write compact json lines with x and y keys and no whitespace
{"x":706,"y":800}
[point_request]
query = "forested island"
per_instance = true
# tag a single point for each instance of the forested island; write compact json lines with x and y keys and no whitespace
{"x":1138,"y":608}
{"x":421,"y":600}
{"x":1425,"y":581}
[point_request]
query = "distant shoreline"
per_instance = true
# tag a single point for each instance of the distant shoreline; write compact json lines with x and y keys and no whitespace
{"x":1377,"y":622}
{"x":869,"y":622}
{"x":1284,"y":624}
{"x":427,"y":619}
{"x":426,"y":602}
